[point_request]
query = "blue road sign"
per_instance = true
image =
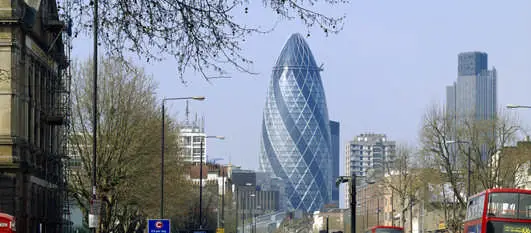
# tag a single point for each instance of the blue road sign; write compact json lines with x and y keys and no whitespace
{"x":159,"y":226}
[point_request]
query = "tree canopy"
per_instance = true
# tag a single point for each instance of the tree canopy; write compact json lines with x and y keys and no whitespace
{"x":128,"y":141}
{"x":200,"y":34}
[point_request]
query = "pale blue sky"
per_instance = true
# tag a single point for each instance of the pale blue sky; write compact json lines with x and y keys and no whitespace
{"x":391,"y":61}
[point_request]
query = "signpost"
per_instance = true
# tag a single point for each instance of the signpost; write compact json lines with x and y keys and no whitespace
{"x":95,"y":209}
{"x":159,"y":226}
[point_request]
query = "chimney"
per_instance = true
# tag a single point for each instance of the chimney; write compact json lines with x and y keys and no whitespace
{"x":527,"y":138}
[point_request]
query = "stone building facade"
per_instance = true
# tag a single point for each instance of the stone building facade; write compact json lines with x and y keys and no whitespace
{"x":34,"y":104}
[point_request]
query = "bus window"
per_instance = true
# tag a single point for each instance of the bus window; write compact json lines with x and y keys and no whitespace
{"x":524,"y":206}
{"x":502,"y":205}
{"x":475,"y":207}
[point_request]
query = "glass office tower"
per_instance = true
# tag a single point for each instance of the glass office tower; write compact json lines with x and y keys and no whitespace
{"x":295,"y":136}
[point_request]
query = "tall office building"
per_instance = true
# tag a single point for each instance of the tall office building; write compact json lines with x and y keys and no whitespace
{"x":367,"y":151}
{"x":334,"y":153}
{"x":295,"y":142}
{"x":473,"y":95}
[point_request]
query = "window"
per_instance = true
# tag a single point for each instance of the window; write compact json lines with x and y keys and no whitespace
{"x":475,"y":207}
{"x":510,"y":205}
{"x":524,"y":206}
{"x":197,"y":139}
{"x":186,"y":140}
{"x":198,"y":150}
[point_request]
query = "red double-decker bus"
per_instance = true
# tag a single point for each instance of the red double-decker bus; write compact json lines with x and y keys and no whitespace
{"x":386,"y":229}
{"x":499,"y":210}
{"x":7,"y":223}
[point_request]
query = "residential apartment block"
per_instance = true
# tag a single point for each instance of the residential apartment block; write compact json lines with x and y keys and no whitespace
{"x":368,"y":151}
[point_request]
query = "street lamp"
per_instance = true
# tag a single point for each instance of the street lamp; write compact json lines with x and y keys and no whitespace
{"x":352,"y":181}
{"x":468,"y":163}
{"x":222,"y":196}
{"x":513,"y":106}
{"x":201,"y":179}
{"x":162,"y":147}
{"x":259,"y":209}
{"x":370,"y":181}
{"x":252,"y":212}
{"x":243,"y":208}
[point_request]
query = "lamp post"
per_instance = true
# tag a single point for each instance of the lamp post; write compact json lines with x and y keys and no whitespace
{"x":352,"y":181}
{"x":220,"y":197}
{"x":223,"y":197}
{"x":252,"y":212}
{"x":468,"y":163}
{"x":201,"y":178}
{"x":162,"y":146}
{"x":94,"y":109}
{"x":378,"y":211}
{"x":259,"y":208}
{"x":370,"y":180}
{"x":244,"y":203}
{"x":237,"y":206}
{"x":327,"y":226}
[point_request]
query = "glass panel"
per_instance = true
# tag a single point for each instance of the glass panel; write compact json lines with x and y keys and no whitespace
{"x":475,"y":207}
{"x":524,"y":206}
{"x":502,"y":205}
{"x":197,"y":139}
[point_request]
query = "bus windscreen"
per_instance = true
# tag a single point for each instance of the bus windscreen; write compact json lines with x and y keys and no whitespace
{"x":509,"y":205}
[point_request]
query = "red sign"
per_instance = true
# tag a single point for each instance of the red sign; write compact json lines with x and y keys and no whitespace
{"x":7,"y":223}
{"x":158,"y":225}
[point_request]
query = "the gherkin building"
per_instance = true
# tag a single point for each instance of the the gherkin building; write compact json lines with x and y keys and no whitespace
{"x":295,"y":136}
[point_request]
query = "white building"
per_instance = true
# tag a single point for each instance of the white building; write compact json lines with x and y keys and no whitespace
{"x":367,"y":151}
{"x":192,"y":139}
{"x":192,"y":142}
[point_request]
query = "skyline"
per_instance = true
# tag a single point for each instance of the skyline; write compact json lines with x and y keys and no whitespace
{"x":381,"y":45}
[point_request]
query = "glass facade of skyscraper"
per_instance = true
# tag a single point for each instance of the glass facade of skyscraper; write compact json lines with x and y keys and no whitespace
{"x":474,"y":94}
{"x":334,"y":153}
{"x":295,"y":128}
{"x":472,"y":97}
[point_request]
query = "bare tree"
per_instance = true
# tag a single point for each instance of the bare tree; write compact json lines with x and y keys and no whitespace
{"x":511,"y":161}
{"x":449,"y":142}
{"x":488,"y":138}
{"x":401,"y":179}
{"x":129,"y":140}
{"x":436,"y":134}
{"x":200,"y":34}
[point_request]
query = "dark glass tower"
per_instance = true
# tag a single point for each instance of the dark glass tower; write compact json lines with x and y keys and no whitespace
{"x":334,"y":153}
{"x":295,"y":128}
